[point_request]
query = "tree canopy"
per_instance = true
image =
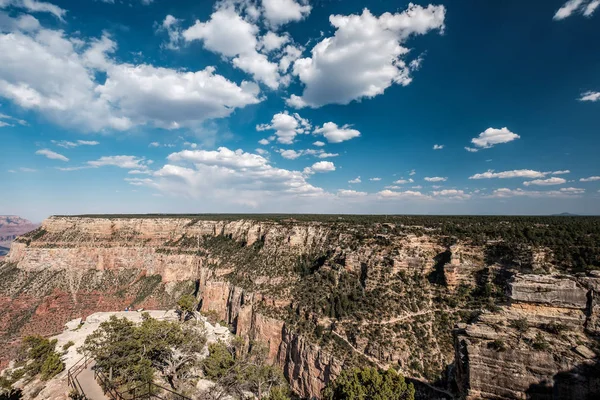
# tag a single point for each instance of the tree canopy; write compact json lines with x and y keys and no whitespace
{"x":369,"y":384}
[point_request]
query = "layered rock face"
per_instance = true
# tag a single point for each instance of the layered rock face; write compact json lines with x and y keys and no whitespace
{"x":536,"y":347}
{"x":322,"y":296}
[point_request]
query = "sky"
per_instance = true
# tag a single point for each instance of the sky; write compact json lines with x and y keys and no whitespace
{"x":299,"y":106}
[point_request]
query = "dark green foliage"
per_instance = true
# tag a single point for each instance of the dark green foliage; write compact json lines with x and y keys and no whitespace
{"x":67,"y":345}
{"x":52,"y":366}
{"x":131,"y":354}
{"x":497,"y":345}
{"x":239,"y":367}
{"x":520,"y":325}
{"x":540,"y":343}
{"x":369,"y":383}
{"x":41,"y":357}
{"x":186,"y":305}
{"x":555,"y":328}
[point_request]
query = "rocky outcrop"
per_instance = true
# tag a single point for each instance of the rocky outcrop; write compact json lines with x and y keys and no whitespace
{"x":532,"y":346}
{"x":12,"y":226}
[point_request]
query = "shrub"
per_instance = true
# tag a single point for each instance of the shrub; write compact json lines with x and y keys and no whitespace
{"x":369,"y":383}
{"x":540,"y":343}
{"x":52,"y":366}
{"x":520,"y":325}
{"x":67,"y":345}
{"x":497,"y":345}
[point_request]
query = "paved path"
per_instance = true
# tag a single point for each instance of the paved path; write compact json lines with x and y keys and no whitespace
{"x":90,"y":386}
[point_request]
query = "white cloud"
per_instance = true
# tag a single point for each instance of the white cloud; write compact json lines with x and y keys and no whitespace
{"x":319,"y":143}
{"x":564,"y":193}
{"x":573,"y":190}
{"x":438,"y":146}
{"x":518,"y":173}
{"x":126,"y":162}
{"x":566,"y":171}
{"x":230,"y":35}
{"x":412,"y":172}
{"x":35,"y":6}
{"x":262,"y":152}
{"x":323,"y":166}
{"x":546,"y":182}
{"x":403,"y":181}
{"x":290,"y":154}
{"x":471,"y":150}
{"x":272,"y":41}
{"x":364,"y":57}
{"x":351,"y":193}
{"x":375,"y":179}
{"x":286,"y":126}
{"x":321,"y":154}
{"x":227,"y":176}
{"x":590,"y":96}
{"x":408,"y":194}
{"x":66,"y":90}
{"x":171,"y":26}
{"x":12,"y":120}
{"x":69,"y":145}
{"x":452,"y":194}
{"x":280,"y":12}
{"x":584,"y":7}
{"x":436,"y":179}
{"x":264,"y":142}
{"x":355,"y":180}
{"x":335,"y":134}
{"x":492,"y":136}
{"x":51,"y":154}
{"x":590,"y":179}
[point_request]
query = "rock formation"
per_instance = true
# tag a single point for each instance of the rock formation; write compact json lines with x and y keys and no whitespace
{"x":321,"y":295}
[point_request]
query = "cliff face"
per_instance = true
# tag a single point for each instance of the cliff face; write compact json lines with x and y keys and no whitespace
{"x":322,"y":295}
{"x":536,"y":347}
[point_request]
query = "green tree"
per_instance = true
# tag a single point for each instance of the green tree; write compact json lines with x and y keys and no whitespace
{"x":369,"y":384}
{"x":42,"y":357}
{"x":186,"y":305}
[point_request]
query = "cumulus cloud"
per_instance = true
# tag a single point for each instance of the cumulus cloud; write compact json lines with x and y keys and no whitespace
{"x":364,"y":57}
{"x":563,"y":172}
{"x":436,"y":179}
{"x":546,"y":182}
{"x":590,"y":96}
{"x":590,"y":179}
{"x":452,"y":194}
{"x":438,"y":146}
{"x":471,"y":149}
{"x":229,"y":34}
{"x":355,"y":180}
{"x":280,"y":12}
{"x":66,"y":90}
{"x":51,"y":155}
{"x":336,"y":134}
{"x":286,"y":126}
{"x":272,"y":41}
{"x":408,"y":194}
{"x":403,"y":181}
{"x":518,"y":173}
{"x":375,"y":179}
{"x":319,"y":143}
{"x":583,"y":7}
{"x":321,"y":166}
{"x":225,"y":175}
{"x":351,"y":193}
{"x":35,"y":6}
{"x":492,"y":136}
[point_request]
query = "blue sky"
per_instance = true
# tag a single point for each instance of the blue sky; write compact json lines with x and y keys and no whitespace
{"x":454,"y":107}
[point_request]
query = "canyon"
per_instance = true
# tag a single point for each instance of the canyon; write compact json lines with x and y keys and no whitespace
{"x":456,"y":315}
{"x":12,"y":226}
